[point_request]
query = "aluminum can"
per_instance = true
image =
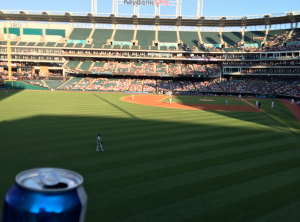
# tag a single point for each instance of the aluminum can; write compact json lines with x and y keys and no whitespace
{"x":46,"y":195}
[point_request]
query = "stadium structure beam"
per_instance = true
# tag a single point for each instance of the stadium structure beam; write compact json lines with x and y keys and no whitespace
{"x":199,"y":8}
{"x":92,"y":19}
{"x":68,"y":15}
{"x":201,"y":21}
{"x":113,"y":19}
{"x":4,"y":15}
{"x":179,"y":19}
{"x":244,"y":22}
{"x":292,"y":18}
{"x":222,"y":21}
{"x":26,"y":16}
{"x":135,"y":20}
{"x":157,"y":20}
{"x":267,"y":21}
{"x":47,"y":16}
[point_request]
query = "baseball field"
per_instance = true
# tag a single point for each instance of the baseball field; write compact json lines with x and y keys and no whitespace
{"x":184,"y":161}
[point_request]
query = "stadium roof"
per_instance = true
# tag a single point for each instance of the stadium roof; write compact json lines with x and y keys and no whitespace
{"x":211,"y":21}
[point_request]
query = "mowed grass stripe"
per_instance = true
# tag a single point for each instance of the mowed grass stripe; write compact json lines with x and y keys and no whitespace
{"x":206,"y":202}
{"x":181,"y":168}
{"x":256,"y":186}
{"x":166,"y":197}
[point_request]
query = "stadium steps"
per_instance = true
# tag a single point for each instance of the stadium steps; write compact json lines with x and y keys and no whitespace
{"x":116,"y":84}
{"x":156,"y":35}
{"x":248,"y":84}
{"x":262,"y":87}
{"x":78,"y":83}
{"x":68,"y":36}
{"x":219,"y":86}
{"x":178,"y":36}
{"x":200,"y":37}
{"x":45,"y":84}
{"x":221,"y":37}
{"x":91,"y":66}
{"x":103,"y":84}
{"x":266,"y":36}
{"x":134,"y":34}
{"x":90,"y":84}
{"x":91,"y":34}
{"x":77,"y":67}
{"x":243,"y":35}
{"x":113,"y":34}
{"x":65,"y":83}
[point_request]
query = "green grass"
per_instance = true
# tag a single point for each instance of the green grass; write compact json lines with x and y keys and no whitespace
{"x":159,"y":164}
{"x":217,"y":100}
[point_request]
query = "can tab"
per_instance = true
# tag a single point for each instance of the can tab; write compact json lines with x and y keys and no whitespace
{"x":48,"y":177}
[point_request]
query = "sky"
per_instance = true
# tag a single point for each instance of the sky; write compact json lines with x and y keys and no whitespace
{"x":189,"y":7}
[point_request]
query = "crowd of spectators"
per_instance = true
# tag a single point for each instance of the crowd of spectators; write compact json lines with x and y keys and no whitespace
{"x":149,"y":85}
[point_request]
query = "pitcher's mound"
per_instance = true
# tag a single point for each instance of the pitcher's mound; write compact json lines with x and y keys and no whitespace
{"x":208,"y":100}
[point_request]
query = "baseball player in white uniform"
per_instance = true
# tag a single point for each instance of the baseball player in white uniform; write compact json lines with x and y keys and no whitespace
{"x":272,"y":104}
{"x":170,"y":100}
{"x":226,"y":102}
{"x":6,"y":91}
{"x":292,"y":101}
{"x":99,"y":143}
{"x":256,"y":102}
{"x":132,"y":96}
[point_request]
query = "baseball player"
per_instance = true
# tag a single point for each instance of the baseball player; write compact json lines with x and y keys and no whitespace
{"x":99,"y":143}
{"x":292,"y":101}
{"x":132,"y":96}
{"x":272,"y":104}
{"x":6,"y":92}
{"x":256,"y":102}
{"x":170,"y":100}
{"x":226,"y":102}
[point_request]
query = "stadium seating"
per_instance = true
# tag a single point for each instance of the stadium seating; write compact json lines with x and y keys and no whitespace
{"x":211,"y":37}
{"x":136,"y":85}
{"x":72,"y":64}
{"x":100,"y":37}
{"x":174,"y":69}
{"x":296,"y":34}
{"x":31,"y":31}
{"x":175,"y":85}
{"x":254,"y":36}
{"x":124,"y":35}
{"x":97,"y":84}
{"x":60,"y":44}
{"x":161,"y":68}
{"x":60,"y":32}
{"x":85,"y":66}
{"x":145,"y":38}
{"x":188,"y":86}
{"x":149,"y":67}
{"x":167,"y":36}
{"x":137,"y":67}
{"x":189,"y":39}
{"x":232,"y":38}
{"x":98,"y":67}
{"x":149,"y":85}
{"x":53,"y":84}
{"x":80,"y":33}
{"x":162,"y":85}
{"x":109,"y":67}
{"x":123,"y":67}
{"x":201,"y":86}
{"x":187,"y":69}
{"x":70,"y":84}
{"x":31,"y":43}
{"x":110,"y":84}
{"x":83,"y":83}
{"x":255,"y":86}
{"x":40,"y":44}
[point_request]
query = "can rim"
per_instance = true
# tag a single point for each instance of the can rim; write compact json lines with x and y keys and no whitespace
{"x":18,"y":181}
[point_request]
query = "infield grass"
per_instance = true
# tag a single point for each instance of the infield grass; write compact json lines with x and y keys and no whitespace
{"x":159,"y":164}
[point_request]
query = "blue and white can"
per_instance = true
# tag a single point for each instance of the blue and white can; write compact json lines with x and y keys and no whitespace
{"x":46,"y":194}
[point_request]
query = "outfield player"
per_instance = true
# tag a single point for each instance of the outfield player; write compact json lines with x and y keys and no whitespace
{"x":99,"y":143}
{"x":226,"y":102}
{"x":256,"y":102}
{"x":272,"y":104}
{"x":170,"y":100}
{"x":6,"y":91}
{"x":132,"y":96}
{"x":292,"y":101}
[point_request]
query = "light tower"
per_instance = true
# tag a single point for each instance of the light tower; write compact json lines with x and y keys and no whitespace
{"x":200,"y":8}
{"x":94,"y":6}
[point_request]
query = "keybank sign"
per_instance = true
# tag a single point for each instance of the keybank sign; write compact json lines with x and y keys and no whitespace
{"x":141,"y":2}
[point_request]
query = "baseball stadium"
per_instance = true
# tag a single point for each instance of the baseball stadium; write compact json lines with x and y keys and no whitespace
{"x":198,"y":115}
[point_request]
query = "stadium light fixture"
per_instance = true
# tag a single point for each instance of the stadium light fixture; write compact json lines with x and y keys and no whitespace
{"x":222,"y":21}
{"x":25,"y":15}
{"x":179,"y":19}
{"x":201,"y":21}
{"x":47,"y":16}
{"x":67,"y":14}
{"x":91,"y":17}
{"x":157,"y":20}
{"x":113,"y":19}
{"x":135,"y":20}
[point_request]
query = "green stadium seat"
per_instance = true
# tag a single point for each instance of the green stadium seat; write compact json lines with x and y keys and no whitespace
{"x":100,"y":37}
{"x":30,"y":43}
{"x":88,"y":45}
{"x":107,"y":46}
{"x":85,"y":66}
{"x":80,"y":33}
{"x":14,"y":31}
{"x":50,"y":44}
{"x":22,"y":43}
{"x":232,"y":38}
{"x":124,"y":35}
{"x":60,"y":32}
{"x":190,"y":39}
{"x":167,"y":36}
{"x":72,"y":64}
{"x":211,"y":37}
{"x":145,"y":38}
{"x":248,"y":36}
{"x":40,"y":44}
{"x":79,"y":45}
{"x":60,"y":44}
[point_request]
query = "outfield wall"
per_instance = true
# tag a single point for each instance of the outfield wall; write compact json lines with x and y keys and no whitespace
{"x":22,"y":85}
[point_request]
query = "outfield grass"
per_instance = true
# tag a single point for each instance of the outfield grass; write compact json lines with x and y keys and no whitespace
{"x":159,"y":164}
{"x":216,"y":100}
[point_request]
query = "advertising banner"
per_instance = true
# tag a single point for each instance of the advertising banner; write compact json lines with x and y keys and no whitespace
{"x":76,"y":41}
{"x":108,"y":73}
{"x":293,"y":43}
{"x":212,"y":45}
{"x":252,"y":45}
{"x":136,"y":92}
{"x":122,"y":43}
{"x":168,"y":44}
